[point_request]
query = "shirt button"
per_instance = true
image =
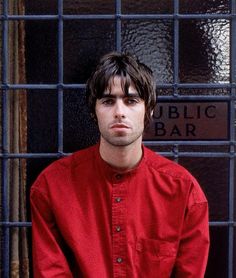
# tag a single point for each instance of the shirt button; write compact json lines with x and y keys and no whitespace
{"x":119,"y":260}
{"x":118,"y":228}
{"x":118,"y":176}
{"x":118,"y":199}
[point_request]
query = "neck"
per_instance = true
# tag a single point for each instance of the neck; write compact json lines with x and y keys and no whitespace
{"x":121,"y":157}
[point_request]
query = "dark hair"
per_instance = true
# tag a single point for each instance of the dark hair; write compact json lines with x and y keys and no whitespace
{"x":130,"y":70}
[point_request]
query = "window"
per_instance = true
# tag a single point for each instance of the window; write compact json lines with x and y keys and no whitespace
{"x":48,"y":50}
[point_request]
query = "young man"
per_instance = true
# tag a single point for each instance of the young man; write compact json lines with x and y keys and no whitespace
{"x":117,"y":209}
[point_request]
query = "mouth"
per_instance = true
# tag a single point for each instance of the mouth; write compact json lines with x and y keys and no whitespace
{"x":119,"y":126}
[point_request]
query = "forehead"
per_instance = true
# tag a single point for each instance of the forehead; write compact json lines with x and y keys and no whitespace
{"x":119,"y":85}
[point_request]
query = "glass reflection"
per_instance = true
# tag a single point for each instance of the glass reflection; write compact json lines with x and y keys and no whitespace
{"x":152,"y":42}
{"x":203,"y":6}
{"x":205,"y":51}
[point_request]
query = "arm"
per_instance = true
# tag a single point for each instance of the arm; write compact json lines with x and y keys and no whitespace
{"x":193,"y":249}
{"x":48,"y":257}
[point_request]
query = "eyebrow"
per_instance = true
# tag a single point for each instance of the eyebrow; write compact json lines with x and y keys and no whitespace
{"x":104,"y":95}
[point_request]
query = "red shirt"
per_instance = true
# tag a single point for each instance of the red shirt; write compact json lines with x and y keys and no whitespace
{"x":88,"y":220}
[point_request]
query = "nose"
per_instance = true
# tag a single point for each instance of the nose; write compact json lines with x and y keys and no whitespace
{"x":119,"y":110}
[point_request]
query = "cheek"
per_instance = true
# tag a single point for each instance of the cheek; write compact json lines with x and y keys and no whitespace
{"x":98,"y":113}
{"x":142,"y":114}
{"x":102,"y":119}
{"x":98,"y":117}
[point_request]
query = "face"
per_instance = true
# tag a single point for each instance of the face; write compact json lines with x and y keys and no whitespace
{"x":120,"y":117}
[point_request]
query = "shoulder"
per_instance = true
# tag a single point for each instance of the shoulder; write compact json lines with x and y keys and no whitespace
{"x":165,"y":166}
{"x":61,"y":168}
{"x":174,"y":176}
{"x":79,"y":158}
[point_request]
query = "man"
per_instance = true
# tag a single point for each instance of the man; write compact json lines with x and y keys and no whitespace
{"x":117,"y":209}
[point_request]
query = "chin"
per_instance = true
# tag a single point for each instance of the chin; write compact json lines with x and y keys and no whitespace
{"x":121,"y":142}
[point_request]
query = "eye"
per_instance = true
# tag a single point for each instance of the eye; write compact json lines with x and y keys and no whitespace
{"x":132,"y":101}
{"x":107,"y":101}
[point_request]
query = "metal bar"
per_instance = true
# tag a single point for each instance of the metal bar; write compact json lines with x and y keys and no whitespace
{"x":176,"y":154}
{"x":118,"y":25}
{"x":171,"y":98}
{"x":29,"y":224}
{"x":222,"y":223}
{"x":176,"y":65}
{"x":118,"y":16}
{"x":28,"y":86}
{"x":5,"y":207}
{"x":199,"y":154}
{"x":60,"y":76}
{"x":205,"y":85}
{"x":180,"y":16}
{"x":28,"y":17}
{"x":194,"y":98}
{"x":231,"y":204}
{"x":15,"y":224}
{"x":176,"y":47}
{"x":159,"y":86}
{"x":112,"y":16}
{"x":194,"y":143}
{"x":232,"y":147}
{"x":170,"y":153}
{"x":32,"y":155}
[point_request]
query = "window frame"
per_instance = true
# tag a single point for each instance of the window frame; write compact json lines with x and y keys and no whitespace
{"x":5,"y":155}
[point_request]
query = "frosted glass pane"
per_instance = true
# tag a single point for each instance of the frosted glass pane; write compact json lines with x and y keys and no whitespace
{"x":80,"y":131}
{"x":147,"y":6}
{"x":34,"y":168}
{"x":203,"y":6}
{"x":41,"y":51}
{"x":206,"y":92}
{"x":152,"y":42}
{"x":234,"y":175}
{"x":204,"y":148}
{"x":1,"y":53}
{"x":204,"y":51}
{"x":42,"y":121}
{"x":234,"y":265}
{"x":85,"y":41}
{"x":164,"y":92}
{"x":213,"y":176}
{"x":217,"y":266}
{"x":89,"y":7}
{"x":40,"y":7}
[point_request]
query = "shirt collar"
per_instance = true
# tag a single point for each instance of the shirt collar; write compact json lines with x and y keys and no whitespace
{"x":112,"y":173}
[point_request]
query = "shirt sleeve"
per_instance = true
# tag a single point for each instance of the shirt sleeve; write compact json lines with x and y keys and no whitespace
{"x":48,"y":257}
{"x":193,"y":248}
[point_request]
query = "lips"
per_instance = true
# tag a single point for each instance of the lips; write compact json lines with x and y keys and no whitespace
{"x":119,"y":125}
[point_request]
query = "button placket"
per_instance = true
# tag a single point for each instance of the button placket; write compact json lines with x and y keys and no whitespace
{"x":118,"y":222}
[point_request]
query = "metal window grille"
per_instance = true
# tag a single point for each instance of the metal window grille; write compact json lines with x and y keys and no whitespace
{"x":60,"y":18}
